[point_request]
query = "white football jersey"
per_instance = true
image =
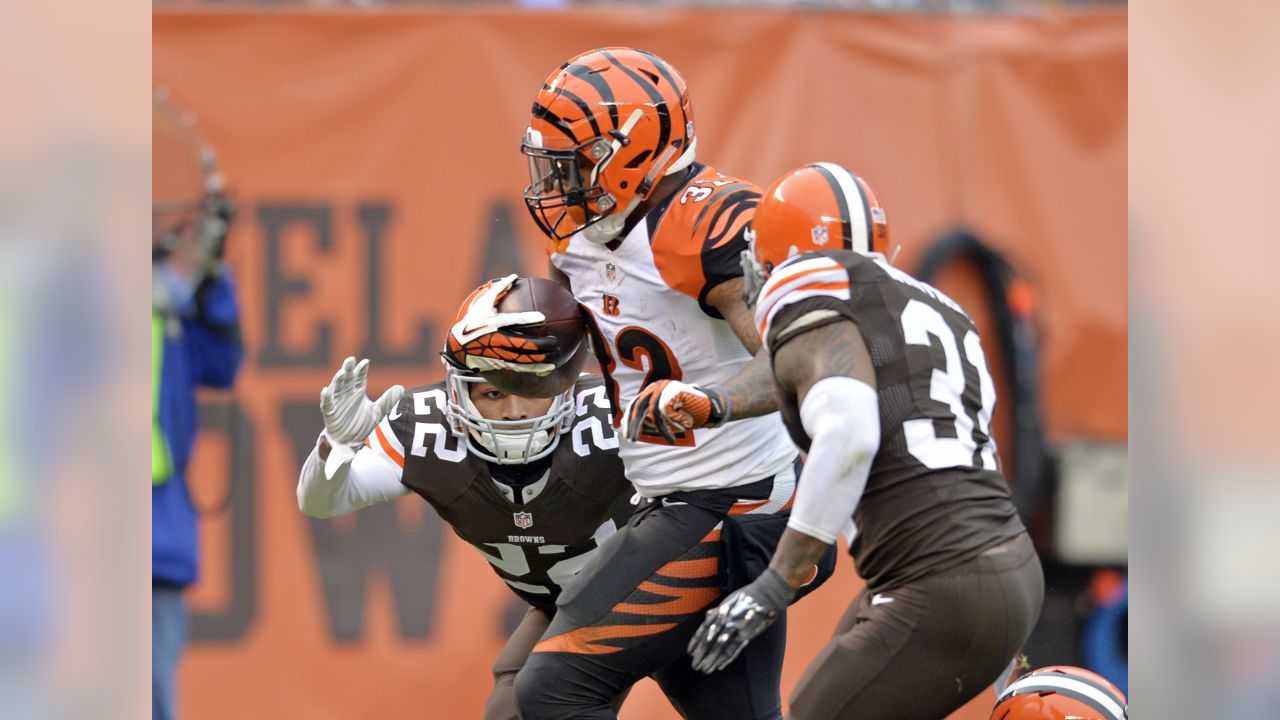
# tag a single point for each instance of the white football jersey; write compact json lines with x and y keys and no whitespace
{"x":646,"y":295}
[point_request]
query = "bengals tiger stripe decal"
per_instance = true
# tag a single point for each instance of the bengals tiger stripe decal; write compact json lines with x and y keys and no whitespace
{"x":700,"y":234}
{"x":610,"y":78}
{"x":674,"y":593}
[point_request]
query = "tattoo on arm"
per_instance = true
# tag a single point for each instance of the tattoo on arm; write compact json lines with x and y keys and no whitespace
{"x":796,"y":555}
{"x":832,"y":350}
{"x":727,"y":298}
{"x":750,"y":392}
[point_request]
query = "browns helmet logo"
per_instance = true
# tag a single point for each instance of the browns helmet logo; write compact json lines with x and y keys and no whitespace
{"x":823,"y":200}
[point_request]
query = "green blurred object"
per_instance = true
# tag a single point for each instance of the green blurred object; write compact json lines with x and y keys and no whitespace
{"x":161,"y":461}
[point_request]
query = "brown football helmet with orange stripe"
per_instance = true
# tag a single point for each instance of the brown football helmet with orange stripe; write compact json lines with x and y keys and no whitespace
{"x":606,"y":127}
{"x":1061,"y":692}
{"x":821,"y":206}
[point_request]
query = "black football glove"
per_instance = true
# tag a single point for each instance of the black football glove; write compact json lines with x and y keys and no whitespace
{"x":737,"y":620}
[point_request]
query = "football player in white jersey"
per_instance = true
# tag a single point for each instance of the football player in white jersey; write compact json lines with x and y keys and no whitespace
{"x":649,"y":241}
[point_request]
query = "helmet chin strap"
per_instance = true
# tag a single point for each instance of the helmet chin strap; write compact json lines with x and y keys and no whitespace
{"x":606,"y":230}
{"x":685,"y":160}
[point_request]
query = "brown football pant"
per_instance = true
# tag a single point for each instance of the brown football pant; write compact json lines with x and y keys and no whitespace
{"x":921,"y":650}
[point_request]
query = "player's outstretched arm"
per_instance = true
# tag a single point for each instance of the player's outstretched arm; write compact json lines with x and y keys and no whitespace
{"x":340,"y":475}
{"x":666,"y":407}
{"x":338,"y":480}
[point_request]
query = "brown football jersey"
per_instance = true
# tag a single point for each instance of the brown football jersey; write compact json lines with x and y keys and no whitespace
{"x":536,"y":524}
{"x":935,"y":496}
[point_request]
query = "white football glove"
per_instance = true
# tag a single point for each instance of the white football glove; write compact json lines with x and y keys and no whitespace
{"x":349,"y":415}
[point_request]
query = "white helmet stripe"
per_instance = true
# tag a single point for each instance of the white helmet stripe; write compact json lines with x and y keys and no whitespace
{"x":1100,"y":700}
{"x":857,"y":203}
{"x":624,"y":132}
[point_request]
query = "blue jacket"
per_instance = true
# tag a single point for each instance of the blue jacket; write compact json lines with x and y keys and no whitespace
{"x":207,"y":352}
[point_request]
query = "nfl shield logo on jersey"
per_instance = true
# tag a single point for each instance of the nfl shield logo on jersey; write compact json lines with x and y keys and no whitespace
{"x":612,"y":276}
{"x":819,"y":235}
{"x":523,"y":520}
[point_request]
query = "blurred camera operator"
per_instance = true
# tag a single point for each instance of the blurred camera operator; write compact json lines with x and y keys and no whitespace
{"x":195,"y":340}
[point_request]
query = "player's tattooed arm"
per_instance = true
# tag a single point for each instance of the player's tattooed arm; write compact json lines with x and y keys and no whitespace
{"x":727,"y":298}
{"x":750,"y":392}
{"x":835,"y":349}
{"x":796,"y":556}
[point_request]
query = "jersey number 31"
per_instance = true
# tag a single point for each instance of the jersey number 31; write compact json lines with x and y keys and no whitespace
{"x":972,"y":445}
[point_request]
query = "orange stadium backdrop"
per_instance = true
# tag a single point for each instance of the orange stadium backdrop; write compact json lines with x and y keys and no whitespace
{"x":374,"y":156}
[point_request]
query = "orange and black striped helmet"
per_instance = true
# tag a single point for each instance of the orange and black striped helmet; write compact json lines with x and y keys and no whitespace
{"x":821,"y":206}
{"x":606,"y":127}
{"x":1061,"y":692}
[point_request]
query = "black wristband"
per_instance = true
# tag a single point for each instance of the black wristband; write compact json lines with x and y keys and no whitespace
{"x":774,"y":590}
{"x":719,"y":407}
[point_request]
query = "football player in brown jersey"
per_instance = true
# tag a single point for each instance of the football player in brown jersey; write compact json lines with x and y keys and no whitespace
{"x":883,"y":383}
{"x":534,"y":484}
{"x":648,"y":238}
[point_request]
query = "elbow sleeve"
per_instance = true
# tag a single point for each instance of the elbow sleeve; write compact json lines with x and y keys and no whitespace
{"x":351,"y":478}
{"x":316,"y":492}
{"x":842,"y":417}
